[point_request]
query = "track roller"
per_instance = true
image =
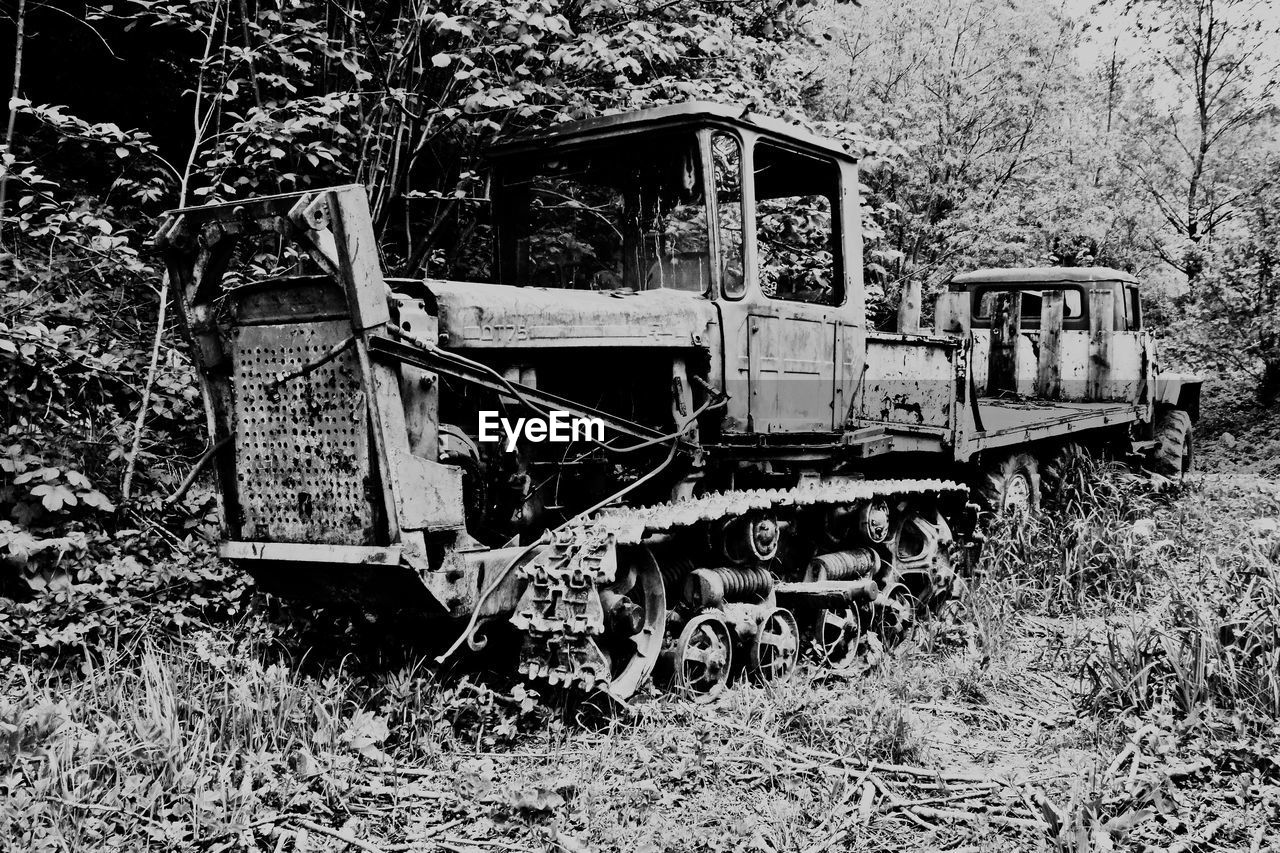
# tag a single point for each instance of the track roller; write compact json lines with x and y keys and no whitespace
{"x":775,"y":647}
{"x":893,"y":614}
{"x":702,"y":657}
{"x":837,"y":636}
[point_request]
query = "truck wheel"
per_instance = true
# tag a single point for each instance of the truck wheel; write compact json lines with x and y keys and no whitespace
{"x":1011,"y":485}
{"x":1059,"y":465}
{"x":1175,"y":442}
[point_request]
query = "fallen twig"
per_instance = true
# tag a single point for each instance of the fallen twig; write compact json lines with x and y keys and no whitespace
{"x":978,"y":816}
{"x":1019,"y":716}
{"x":910,"y":815}
{"x":828,"y":842}
{"x":451,"y":843}
{"x":952,"y":798}
{"x":849,"y":764}
{"x":101,"y":807}
{"x":1191,"y":768}
{"x":866,"y":802}
{"x":236,"y":830}
{"x":428,"y":838}
{"x":388,"y":790}
{"x":404,"y":771}
{"x":338,"y":834}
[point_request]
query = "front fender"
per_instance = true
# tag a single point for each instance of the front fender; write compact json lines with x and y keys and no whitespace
{"x":1180,"y":391}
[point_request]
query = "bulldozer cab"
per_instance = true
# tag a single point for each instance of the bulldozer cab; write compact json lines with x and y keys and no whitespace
{"x":697,"y":197}
{"x":753,"y":213}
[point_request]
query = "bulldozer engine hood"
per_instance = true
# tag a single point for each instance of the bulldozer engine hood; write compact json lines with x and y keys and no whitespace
{"x":502,"y":316}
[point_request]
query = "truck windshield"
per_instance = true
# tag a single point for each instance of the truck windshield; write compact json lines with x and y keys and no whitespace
{"x":626,"y":214}
{"x":1072,"y":303}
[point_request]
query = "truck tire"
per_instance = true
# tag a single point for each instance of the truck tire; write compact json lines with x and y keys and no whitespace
{"x":1059,"y":465}
{"x":1174,"y":452}
{"x":1011,"y":485}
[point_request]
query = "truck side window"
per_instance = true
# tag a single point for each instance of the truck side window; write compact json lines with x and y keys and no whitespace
{"x":796,"y":235}
{"x":1132,"y":309}
{"x":727,"y":156}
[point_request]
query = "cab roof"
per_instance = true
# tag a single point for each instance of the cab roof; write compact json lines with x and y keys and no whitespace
{"x":1039,"y":275}
{"x":691,"y":114}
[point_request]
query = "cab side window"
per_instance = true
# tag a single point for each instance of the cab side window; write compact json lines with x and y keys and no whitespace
{"x":1132,"y":309}
{"x":797,"y":235}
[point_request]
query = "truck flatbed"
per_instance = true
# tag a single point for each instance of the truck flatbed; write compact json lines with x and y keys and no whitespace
{"x":1003,"y":422}
{"x":910,"y":390}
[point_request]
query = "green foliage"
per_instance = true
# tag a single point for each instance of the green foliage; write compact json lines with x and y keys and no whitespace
{"x":1212,"y":648}
{"x":206,"y":735}
{"x":85,"y":591}
{"x":404,"y":97}
{"x":1229,"y":322}
{"x":75,"y":327}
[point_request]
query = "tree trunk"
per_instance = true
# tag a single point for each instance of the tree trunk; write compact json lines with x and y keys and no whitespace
{"x":21,"y":22}
{"x":1269,"y":387}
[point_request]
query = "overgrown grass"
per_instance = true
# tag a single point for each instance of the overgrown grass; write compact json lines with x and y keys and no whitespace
{"x":1166,"y":608}
{"x":1200,"y":590}
{"x":186,"y":740}
{"x":1097,"y":543}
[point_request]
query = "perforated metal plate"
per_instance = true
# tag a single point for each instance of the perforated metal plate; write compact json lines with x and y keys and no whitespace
{"x":302,"y":448}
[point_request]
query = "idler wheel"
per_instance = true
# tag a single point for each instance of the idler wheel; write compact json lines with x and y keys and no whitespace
{"x":750,"y":539}
{"x":635,"y":606}
{"x":922,"y":546}
{"x":873,"y":521}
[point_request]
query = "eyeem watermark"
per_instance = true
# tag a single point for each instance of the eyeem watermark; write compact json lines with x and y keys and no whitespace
{"x":557,"y":426}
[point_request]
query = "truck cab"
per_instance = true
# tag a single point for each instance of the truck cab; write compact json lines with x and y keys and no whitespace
{"x":1077,"y":284}
{"x":1057,"y":333}
{"x":1098,"y":303}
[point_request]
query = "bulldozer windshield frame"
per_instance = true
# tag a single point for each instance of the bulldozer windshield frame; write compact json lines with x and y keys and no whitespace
{"x":625,"y":212}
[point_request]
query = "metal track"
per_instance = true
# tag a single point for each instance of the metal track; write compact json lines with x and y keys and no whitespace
{"x":630,"y":525}
{"x":560,"y":611}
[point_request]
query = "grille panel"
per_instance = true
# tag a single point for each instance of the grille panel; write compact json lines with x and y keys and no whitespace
{"x":302,"y":448}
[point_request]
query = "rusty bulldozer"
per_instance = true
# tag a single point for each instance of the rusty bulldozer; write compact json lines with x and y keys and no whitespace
{"x":758,"y":475}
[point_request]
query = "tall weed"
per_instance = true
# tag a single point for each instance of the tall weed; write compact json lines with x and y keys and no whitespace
{"x":1093,"y":545}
